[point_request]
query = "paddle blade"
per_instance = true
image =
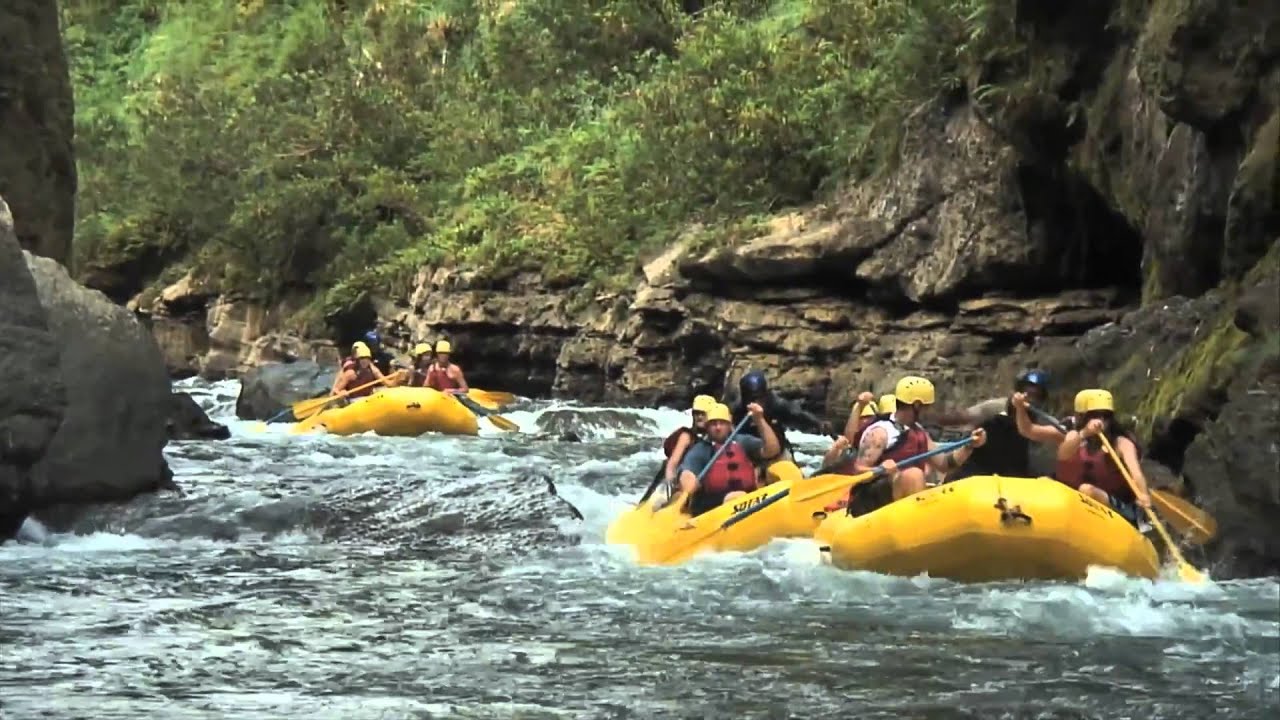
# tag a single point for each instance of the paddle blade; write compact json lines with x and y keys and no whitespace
{"x":304,"y":409}
{"x":1189,"y":574}
{"x":1198,"y":526}
{"x":503,"y":423}
{"x":492,"y":399}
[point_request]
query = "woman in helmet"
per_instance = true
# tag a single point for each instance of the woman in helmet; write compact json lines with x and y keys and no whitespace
{"x":444,"y":375}
{"x":1083,"y":463}
{"x":422,"y":357}
{"x":679,"y":442}
{"x":861,"y":415}
{"x":357,"y":371}
{"x":887,"y":442}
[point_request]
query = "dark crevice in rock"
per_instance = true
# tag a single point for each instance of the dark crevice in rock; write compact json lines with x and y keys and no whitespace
{"x":1086,"y":244}
{"x":1169,"y":444}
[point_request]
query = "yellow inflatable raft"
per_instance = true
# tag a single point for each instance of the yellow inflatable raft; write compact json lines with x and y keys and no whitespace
{"x":989,"y":528}
{"x":669,"y":536}
{"x":396,"y":411}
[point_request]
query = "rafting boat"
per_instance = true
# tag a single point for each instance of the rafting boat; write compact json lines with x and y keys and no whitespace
{"x":989,"y":528}
{"x":669,"y":535}
{"x":401,"y":412}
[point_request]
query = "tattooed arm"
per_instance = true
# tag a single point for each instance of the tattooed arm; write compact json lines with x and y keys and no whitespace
{"x":870,"y":449}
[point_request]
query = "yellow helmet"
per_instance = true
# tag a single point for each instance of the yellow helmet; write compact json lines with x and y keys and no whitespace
{"x":1095,"y":400}
{"x":719,"y":411}
{"x":888,"y":404}
{"x":421,"y":349}
{"x":443,"y":346}
{"x":703,"y":403}
{"x":362,"y":350}
{"x":912,"y":389}
{"x":1080,"y":399}
{"x":869,"y":410}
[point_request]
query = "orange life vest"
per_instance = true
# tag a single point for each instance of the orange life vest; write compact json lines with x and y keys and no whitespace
{"x":438,"y":378}
{"x":1092,"y":466}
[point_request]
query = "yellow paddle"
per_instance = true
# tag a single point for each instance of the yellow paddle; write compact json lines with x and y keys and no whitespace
{"x":495,"y":398}
{"x":499,"y":421}
{"x":840,"y":481}
{"x":304,"y":409}
{"x":1198,"y":526}
{"x":1185,"y":571}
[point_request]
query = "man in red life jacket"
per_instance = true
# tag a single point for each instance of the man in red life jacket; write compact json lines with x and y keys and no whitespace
{"x":890,"y":441}
{"x":1083,"y":463}
{"x":734,"y":471}
{"x":357,"y":371}
{"x":444,"y":375}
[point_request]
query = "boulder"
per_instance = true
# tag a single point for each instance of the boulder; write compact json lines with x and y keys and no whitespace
{"x":188,"y":421}
{"x":267,"y":390}
{"x":111,"y":441}
{"x":32,"y":404}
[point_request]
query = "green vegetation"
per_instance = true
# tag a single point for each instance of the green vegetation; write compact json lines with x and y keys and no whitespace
{"x":336,"y":146}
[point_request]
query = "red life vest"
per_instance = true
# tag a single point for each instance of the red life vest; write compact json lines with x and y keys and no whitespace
{"x":669,"y":445}
{"x":732,"y":471}
{"x":1092,"y":466}
{"x":364,"y":376}
{"x":904,"y":443}
{"x":439,"y":379}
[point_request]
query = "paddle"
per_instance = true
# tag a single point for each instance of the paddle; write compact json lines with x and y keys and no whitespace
{"x":1198,"y":526}
{"x":851,"y":481}
{"x":1185,"y":571}
{"x":491,"y":397}
{"x":499,"y":421}
{"x":304,"y":409}
{"x":810,"y":493}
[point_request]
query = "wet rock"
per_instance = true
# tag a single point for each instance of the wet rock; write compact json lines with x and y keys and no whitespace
{"x":268,"y":390}
{"x":32,"y":408}
{"x":580,"y":423}
{"x":110,"y":444}
{"x":188,"y":421}
{"x":37,"y":160}
{"x":1234,"y":466}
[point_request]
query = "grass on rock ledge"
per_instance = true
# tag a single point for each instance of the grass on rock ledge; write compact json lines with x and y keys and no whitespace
{"x":334,"y":148}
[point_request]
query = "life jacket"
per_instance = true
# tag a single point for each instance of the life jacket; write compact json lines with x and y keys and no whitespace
{"x":903,"y":442}
{"x":730,"y":472}
{"x":418,"y":376}
{"x":1091,"y":465}
{"x":1005,"y":452}
{"x":364,"y":376}
{"x":669,"y":445}
{"x":439,"y":379}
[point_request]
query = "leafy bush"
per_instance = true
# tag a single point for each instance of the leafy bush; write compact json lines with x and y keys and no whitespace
{"x":335,"y":147}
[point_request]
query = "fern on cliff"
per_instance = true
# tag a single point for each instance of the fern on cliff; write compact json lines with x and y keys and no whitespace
{"x":337,"y":146}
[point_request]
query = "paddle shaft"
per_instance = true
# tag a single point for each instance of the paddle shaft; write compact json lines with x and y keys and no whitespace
{"x":1185,"y":569}
{"x":851,"y":481}
{"x":327,"y":400}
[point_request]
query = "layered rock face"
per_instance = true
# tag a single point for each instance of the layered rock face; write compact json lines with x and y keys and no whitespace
{"x":37,"y":162}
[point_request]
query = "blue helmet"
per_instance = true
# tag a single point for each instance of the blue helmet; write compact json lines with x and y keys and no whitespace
{"x":1039,"y":378}
{"x":373,"y":338}
{"x":753,"y":386}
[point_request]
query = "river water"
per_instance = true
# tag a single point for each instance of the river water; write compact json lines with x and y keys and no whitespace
{"x":437,"y":577}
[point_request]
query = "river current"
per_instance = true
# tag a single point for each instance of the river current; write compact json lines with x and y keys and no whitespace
{"x":435,"y":577}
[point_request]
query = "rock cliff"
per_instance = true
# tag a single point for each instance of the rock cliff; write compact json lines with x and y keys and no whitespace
{"x":37,"y":162}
